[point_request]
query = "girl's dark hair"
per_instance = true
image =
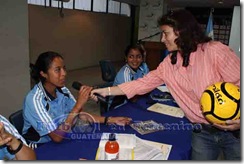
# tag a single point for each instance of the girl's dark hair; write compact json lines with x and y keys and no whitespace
{"x":134,"y":47}
{"x":43,"y":63}
{"x":190,"y":33}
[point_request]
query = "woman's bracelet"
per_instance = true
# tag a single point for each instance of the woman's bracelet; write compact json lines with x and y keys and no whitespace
{"x":74,"y":113}
{"x":109,"y":91}
{"x":13,"y":152}
{"x":106,"y":119}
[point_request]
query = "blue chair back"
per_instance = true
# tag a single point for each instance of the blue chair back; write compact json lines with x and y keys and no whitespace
{"x":17,"y":120}
{"x":108,"y":70}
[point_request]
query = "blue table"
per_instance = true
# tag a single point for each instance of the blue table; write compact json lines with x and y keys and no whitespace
{"x":84,"y":145}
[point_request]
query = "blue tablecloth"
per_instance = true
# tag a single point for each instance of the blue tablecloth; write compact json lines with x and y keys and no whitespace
{"x":177,"y":132}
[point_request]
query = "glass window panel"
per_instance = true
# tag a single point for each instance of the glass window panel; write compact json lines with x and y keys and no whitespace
{"x":48,"y":3}
{"x":30,"y":2}
{"x":113,"y":7}
{"x":125,"y":9}
{"x":68,"y":5}
{"x":83,"y":4}
{"x":37,"y":2}
{"x":99,"y":5}
{"x":56,"y":4}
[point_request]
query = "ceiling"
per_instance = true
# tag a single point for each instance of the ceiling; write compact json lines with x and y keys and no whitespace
{"x":193,"y":3}
{"x":204,"y":3}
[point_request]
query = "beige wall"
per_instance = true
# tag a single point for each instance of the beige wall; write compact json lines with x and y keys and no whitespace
{"x":83,"y":38}
{"x":14,"y":55}
{"x":150,"y":12}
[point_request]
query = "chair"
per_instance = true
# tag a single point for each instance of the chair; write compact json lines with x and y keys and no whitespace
{"x":108,"y":75}
{"x":17,"y":120}
{"x":108,"y":72}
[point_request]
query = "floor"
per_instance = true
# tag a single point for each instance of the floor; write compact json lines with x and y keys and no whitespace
{"x":88,"y":76}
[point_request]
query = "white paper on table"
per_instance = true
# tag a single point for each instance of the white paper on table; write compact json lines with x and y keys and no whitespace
{"x":167,"y":110}
{"x":127,"y":143}
{"x":149,"y":150}
{"x":163,"y":88}
{"x":165,"y":148}
{"x":145,"y":127}
{"x":124,"y":140}
{"x":140,"y":149}
{"x":124,"y":154}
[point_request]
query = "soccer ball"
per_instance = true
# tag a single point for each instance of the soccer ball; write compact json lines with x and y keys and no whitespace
{"x":221,"y":102}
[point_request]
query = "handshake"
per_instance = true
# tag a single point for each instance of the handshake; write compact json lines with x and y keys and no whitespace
{"x":77,"y":85}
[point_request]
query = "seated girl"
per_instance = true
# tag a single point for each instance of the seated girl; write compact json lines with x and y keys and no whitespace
{"x":134,"y":68}
{"x":50,"y":111}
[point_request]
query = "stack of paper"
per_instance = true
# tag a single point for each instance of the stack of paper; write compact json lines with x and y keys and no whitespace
{"x":134,"y":148}
{"x":163,"y":88}
{"x":145,"y":127}
{"x":149,"y":150}
{"x":166,"y":109}
{"x":127,"y":143}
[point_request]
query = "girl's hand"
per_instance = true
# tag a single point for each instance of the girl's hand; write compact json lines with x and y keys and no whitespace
{"x":5,"y":138}
{"x":119,"y":120}
{"x":83,"y":96}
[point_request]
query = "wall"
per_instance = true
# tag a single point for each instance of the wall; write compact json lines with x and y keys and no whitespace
{"x":82,"y":37}
{"x":235,"y":32}
{"x":150,"y":11}
{"x":14,"y":51}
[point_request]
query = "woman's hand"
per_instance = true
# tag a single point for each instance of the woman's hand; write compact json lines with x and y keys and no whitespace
{"x":119,"y":120}
{"x":101,"y":91}
{"x":230,"y":125}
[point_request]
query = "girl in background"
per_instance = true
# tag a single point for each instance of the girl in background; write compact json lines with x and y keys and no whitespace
{"x":134,"y":68}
